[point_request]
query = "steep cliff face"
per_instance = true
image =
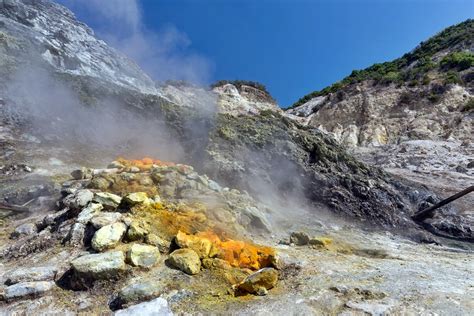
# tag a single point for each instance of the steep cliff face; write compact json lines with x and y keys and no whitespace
{"x":46,"y":33}
{"x":244,"y":99}
{"x":426,"y":94}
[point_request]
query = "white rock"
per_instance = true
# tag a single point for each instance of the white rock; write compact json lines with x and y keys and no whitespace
{"x":108,"y":236}
{"x":156,"y":307}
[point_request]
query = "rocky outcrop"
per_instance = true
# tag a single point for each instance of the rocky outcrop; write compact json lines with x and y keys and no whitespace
{"x":44,"y":30}
{"x":243,"y":100}
{"x":370,"y":115}
{"x":425,"y":94}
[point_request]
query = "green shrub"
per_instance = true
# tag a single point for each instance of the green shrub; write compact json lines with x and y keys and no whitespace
{"x":458,"y":60}
{"x":433,"y":98}
{"x":426,"y":80}
{"x":452,"y":77}
{"x":392,"y":76}
{"x":469,"y":106}
{"x":457,"y":36}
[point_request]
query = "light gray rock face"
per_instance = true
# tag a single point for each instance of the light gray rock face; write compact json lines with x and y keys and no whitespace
{"x":99,"y":266}
{"x":26,"y":289}
{"x":157,"y":307}
{"x":375,"y":116}
{"x":32,"y":274}
{"x":79,"y":200}
{"x":66,"y":44}
{"x":105,"y":218}
{"x":89,"y":212}
{"x":108,"y":236}
{"x":245,"y":100}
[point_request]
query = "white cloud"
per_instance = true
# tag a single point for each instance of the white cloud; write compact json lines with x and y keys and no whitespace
{"x":163,"y":54}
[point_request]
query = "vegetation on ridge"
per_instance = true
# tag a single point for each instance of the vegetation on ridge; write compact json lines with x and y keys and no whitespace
{"x":458,"y":37}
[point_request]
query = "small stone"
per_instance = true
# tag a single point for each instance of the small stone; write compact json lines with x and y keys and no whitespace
{"x":80,"y":174}
{"x":25,"y":230}
{"x":185,"y":260}
{"x":143,"y":255}
{"x":99,"y":266}
{"x":89,"y":212}
{"x":265,"y":278}
{"x":136,"y":198}
{"x":26,"y":289}
{"x":108,"y":200}
{"x":116,"y":164}
{"x":137,"y":231}
{"x":31,"y":274}
{"x":158,"y":306}
{"x":157,"y":241}
{"x":139,"y":292}
{"x":105,"y":218}
{"x":100,"y":183}
{"x":299,"y":238}
{"x":108,"y":236}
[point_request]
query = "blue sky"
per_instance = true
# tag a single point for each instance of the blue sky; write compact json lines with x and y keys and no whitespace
{"x":293,"y":47}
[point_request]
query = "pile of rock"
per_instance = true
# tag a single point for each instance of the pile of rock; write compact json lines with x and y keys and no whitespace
{"x":130,"y":215}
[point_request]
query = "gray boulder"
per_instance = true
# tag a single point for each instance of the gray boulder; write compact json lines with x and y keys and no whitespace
{"x":80,"y":174}
{"x":108,"y":236}
{"x":143,"y":255}
{"x":108,"y":200}
{"x":79,"y":199}
{"x":99,"y":266}
{"x":27,"y":289}
{"x":140,"y":291}
{"x":259,"y":282}
{"x":32,"y":274}
{"x":299,"y":238}
{"x":105,"y":218}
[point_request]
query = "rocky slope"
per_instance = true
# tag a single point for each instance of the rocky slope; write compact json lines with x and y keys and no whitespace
{"x":426,"y":94}
{"x":271,"y":176}
{"x":412,"y":116}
